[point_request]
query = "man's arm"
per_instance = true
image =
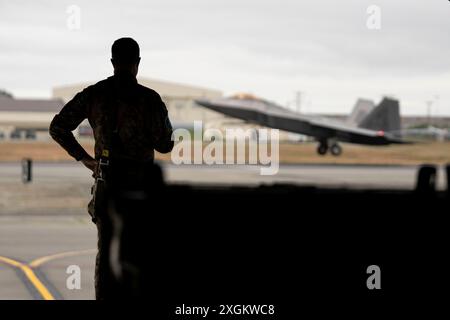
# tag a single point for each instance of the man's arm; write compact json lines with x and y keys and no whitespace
{"x":161,"y":128}
{"x":68,"y":119}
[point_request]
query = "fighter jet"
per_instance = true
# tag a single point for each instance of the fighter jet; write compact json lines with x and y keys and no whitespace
{"x":368,"y":124}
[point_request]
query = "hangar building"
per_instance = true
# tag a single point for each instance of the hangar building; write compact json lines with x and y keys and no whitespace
{"x":29,"y":119}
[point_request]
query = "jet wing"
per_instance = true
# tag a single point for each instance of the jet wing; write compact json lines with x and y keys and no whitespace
{"x":270,"y":115}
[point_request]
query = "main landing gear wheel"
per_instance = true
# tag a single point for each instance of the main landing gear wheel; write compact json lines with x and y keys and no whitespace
{"x":336,"y":150}
{"x":322,"y":149}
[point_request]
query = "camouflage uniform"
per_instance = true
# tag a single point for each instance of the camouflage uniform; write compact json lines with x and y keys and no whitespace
{"x":142,"y":126}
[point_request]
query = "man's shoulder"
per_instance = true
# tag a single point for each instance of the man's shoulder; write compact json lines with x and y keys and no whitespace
{"x":148,"y":92}
{"x":100,"y":86}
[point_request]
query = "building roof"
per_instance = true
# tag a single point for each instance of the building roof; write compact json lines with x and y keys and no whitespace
{"x":30,"y":105}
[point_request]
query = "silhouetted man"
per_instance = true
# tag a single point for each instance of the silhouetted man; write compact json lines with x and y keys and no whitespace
{"x":129,"y":122}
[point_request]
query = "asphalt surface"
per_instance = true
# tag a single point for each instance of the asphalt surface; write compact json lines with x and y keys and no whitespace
{"x":48,"y":246}
{"x":45,"y":232}
{"x":354,"y":176}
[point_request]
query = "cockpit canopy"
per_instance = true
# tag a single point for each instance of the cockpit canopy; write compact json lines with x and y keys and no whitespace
{"x":245,"y":96}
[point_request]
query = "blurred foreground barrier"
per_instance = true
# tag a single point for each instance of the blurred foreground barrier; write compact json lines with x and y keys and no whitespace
{"x":447,"y":170}
{"x":426,"y":179}
{"x":179,"y":242}
{"x":27,"y":170}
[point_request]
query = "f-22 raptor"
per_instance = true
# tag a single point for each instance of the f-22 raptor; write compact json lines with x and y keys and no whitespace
{"x":368,"y":124}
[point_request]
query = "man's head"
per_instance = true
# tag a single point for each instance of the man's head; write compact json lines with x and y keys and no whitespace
{"x":125,"y":56}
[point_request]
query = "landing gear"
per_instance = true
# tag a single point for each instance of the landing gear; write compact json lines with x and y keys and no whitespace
{"x":335,"y":149}
{"x":322,"y":149}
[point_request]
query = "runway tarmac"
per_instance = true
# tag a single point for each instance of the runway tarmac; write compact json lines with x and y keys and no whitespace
{"x":65,"y":187}
{"x":44,"y":227}
{"x":46,"y":246}
{"x":353,"y":176}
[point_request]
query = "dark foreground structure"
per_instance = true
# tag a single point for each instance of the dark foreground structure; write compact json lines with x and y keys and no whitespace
{"x":278,"y":244}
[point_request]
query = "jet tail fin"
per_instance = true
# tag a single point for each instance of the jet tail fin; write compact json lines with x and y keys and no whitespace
{"x":362,"y":108}
{"x":384,"y":117}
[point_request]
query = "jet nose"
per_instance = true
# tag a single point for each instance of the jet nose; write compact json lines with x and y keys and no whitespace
{"x":203,"y":102}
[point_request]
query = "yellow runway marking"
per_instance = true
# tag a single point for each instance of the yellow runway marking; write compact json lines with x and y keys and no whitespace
{"x":31,"y":276}
{"x":43,"y":291}
{"x":11,"y":262}
{"x":41,"y":261}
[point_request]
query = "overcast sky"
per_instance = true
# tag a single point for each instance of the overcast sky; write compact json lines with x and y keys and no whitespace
{"x":274,"y":48}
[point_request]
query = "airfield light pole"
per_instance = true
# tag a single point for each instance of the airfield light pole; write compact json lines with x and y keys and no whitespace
{"x":436,"y":106}
{"x":429,"y":104}
{"x":298,"y":101}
